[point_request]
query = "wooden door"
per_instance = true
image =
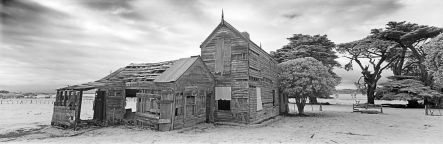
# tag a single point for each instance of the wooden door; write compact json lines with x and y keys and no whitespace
{"x":166,"y":112}
{"x":99,"y":107}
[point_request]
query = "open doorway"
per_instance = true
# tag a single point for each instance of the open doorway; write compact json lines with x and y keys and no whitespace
{"x":131,"y":99}
{"x":87,"y":106}
{"x":93,"y":105}
{"x":131,"y":103}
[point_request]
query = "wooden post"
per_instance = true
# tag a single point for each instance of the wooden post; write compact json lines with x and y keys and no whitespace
{"x":381,"y":108}
{"x":426,"y":110}
{"x":113,"y":116}
{"x":312,"y":107}
{"x":79,"y":107}
{"x":321,"y":109}
{"x":173,"y":110}
{"x":184,"y":109}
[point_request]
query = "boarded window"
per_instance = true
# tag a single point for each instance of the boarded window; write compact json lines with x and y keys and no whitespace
{"x":190,"y":105}
{"x":222,"y":56}
{"x":259,"y":102}
{"x":219,"y":55}
{"x":241,"y":56}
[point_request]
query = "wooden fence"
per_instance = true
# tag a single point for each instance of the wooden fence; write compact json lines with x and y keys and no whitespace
{"x":46,"y":101}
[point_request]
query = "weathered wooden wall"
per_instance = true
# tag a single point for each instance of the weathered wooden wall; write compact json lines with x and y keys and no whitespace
{"x":115,"y":100}
{"x":235,"y":74}
{"x":182,"y":103}
{"x":66,"y":108}
{"x":250,"y":67}
{"x":194,"y":94}
{"x":149,"y":103}
{"x":263,"y":74}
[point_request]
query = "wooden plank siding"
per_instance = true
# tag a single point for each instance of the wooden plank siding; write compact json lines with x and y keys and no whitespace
{"x":196,"y":84}
{"x":250,"y":67}
{"x":187,"y":99}
{"x":115,"y":99}
{"x":263,"y":75}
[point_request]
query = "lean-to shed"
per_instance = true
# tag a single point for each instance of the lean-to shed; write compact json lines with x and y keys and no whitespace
{"x":170,"y":95}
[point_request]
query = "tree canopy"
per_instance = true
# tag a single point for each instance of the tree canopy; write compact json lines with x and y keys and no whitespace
{"x":300,"y":46}
{"x":316,"y":46}
{"x":305,"y":77}
{"x":434,"y":59}
{"x":407,"y":89}
{"x":409,"y":39}
{"x":374,"y":50}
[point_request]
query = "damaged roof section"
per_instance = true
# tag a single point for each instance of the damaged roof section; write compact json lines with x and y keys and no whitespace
{"x":167,"y":71}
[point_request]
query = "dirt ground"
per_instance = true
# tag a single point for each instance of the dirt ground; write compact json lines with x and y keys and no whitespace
{"x":335,"y":124}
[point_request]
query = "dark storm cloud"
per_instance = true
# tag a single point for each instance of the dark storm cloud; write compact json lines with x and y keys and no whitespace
{"x":349,"y":11}
{"x":291,"y":15}
{"x":122,"y":8}
{"x":16,"y":10}
{"x":47,"y":44}
{"x":23,"y":17}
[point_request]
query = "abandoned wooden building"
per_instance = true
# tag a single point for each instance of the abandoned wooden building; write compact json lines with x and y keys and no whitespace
{"x":234,"y":80}
{"x":246,"y":76}
{"x":170,"y":95}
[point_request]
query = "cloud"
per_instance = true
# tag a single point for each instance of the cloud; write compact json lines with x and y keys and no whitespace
{"x":47,"y":44}
{"x":291,"y":15}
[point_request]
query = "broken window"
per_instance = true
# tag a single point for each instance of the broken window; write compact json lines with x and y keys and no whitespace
{"x":223,"y":97}
{"x":190,"y":105}
{"x":259,"y":101}
{"x":274,"y":99}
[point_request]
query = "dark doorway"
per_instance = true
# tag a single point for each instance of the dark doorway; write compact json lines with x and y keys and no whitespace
{"x":99,"y":106}
{"x":224,"y":104}
{"x":131,"y":92}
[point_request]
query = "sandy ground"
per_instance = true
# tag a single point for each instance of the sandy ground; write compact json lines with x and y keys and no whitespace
{"x":335,"y":124}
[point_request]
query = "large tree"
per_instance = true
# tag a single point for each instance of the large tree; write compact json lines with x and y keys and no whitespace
{"x":409,"y":89}
{"x":434,"y":60}
{"x":409,"y":38}
{"x":376,"y":52}
{"x":305,"y":77}
{"x":316,"y":46}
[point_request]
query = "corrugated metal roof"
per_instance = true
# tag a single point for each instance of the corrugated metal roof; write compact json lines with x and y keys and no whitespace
{"x":176,"y":70}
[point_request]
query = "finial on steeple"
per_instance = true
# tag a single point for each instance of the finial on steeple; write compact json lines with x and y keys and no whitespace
{"x":260,"y":44}
{"x":223,"y":15}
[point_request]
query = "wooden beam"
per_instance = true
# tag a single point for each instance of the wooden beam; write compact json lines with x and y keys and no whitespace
{"x":79,"y":107}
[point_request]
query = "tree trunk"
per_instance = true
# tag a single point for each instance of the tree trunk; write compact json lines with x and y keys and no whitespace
{"x":313,"y":100}
{"x":398,"y":66}
{"x":371,"y":92}
{"x":284,"y":100}
{"x":425,"y":78}
{"x":300,"y":105}
{"x":423,"y":71}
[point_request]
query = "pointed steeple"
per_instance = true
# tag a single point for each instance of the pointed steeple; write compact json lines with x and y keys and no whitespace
{"x":222,"y":17}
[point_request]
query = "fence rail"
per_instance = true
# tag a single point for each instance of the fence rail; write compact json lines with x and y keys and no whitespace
{"x":45,"y":101}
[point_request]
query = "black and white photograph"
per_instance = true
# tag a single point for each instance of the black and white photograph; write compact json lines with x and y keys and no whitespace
{"x":221,"y":71}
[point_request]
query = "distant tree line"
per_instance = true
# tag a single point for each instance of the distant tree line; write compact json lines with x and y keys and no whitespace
{"x":4,"y":91}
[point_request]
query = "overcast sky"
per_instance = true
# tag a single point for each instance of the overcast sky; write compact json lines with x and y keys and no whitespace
{"x":48,"y":44}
